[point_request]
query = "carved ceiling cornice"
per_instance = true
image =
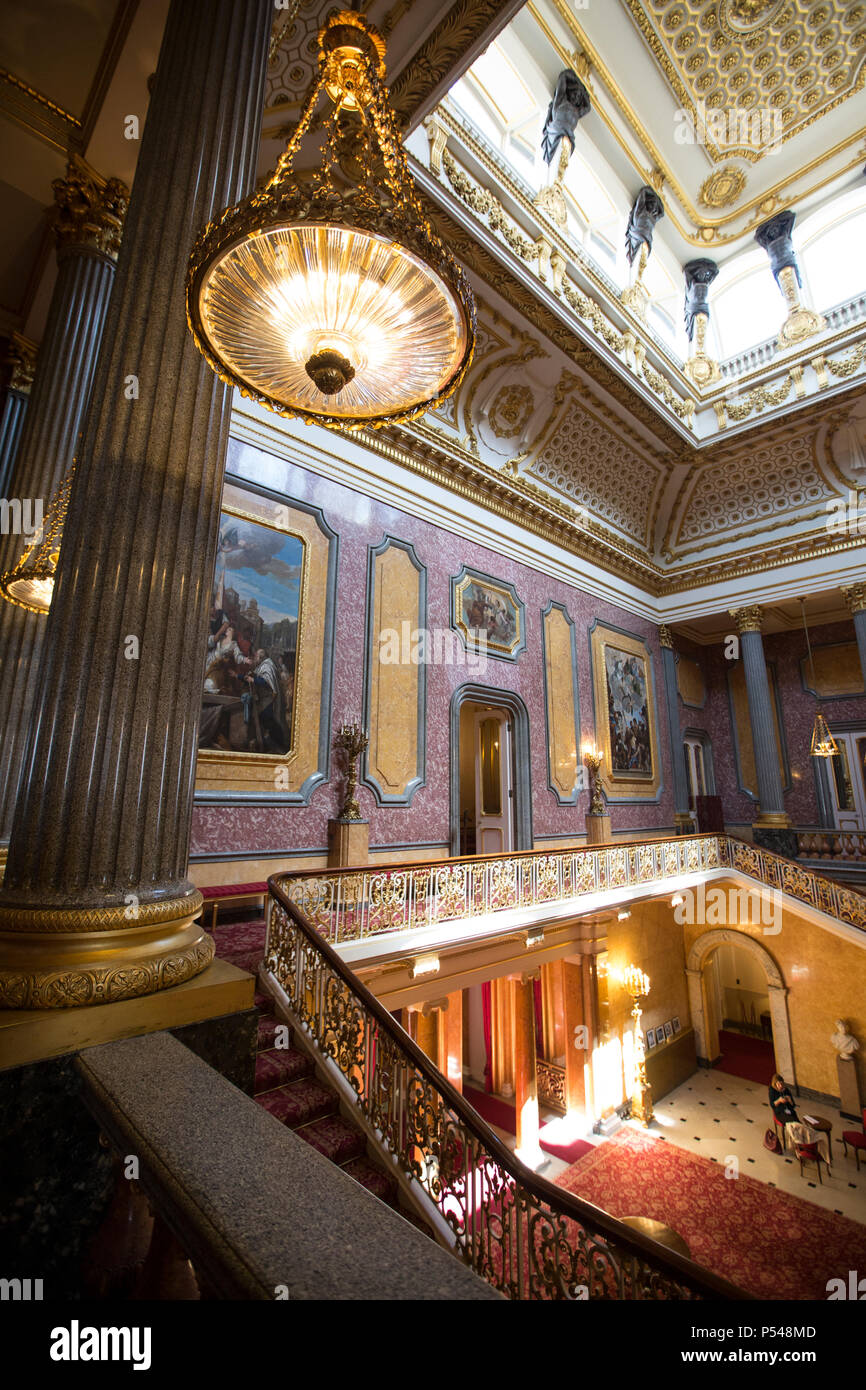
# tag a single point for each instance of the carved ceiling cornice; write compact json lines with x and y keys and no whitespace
{"x":496,"y":274}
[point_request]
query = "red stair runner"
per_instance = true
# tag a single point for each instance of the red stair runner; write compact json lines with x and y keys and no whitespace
{"x":287,"y":1087}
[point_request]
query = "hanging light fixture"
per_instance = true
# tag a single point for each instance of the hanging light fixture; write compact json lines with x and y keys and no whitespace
{"x":823,"y":743}
{"x":329,"y":296}
{"x":30,"y":583}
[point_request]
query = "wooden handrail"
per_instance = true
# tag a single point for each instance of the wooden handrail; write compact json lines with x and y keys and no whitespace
{"x":683,"y":1271}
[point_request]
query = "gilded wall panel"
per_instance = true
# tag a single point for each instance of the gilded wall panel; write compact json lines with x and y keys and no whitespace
{"x":395,"y":697}
{"x":838,"y":672}
{"x":690,"y":682}
{"x":561,"y":704}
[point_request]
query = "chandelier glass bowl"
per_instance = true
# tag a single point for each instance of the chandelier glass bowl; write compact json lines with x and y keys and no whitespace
{"x":329,"y":297}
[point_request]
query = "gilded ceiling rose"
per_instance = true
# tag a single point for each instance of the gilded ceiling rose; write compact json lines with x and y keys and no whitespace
{"x":748,"y":14}
{"x":723,"y":187}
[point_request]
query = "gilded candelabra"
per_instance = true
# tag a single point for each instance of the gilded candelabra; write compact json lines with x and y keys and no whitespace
{"x":593,"y":762}
{"x":352,"y":741}
{"x":637,"y":984}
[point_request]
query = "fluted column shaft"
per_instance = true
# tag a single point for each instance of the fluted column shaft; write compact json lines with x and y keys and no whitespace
{"x":16,"y":395}
{"x":61,"y":391}
{"x":678,"y":752}
{"x":102,"y":821}
{"x":856,"y":599}
{"x":770,"y":794}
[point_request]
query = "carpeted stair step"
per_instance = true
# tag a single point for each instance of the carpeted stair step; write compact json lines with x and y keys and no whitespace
{"x":264,"y":1003}
{"x":374,"y":1178}
{"x":335,"y":1138}
{"x":299,"y":1103}
{"x":268,"y":1025}
{"x":279,"y":1066}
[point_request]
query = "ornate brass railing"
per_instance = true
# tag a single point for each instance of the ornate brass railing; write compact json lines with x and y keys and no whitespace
{"x":528,"y":1238}
{"x":352,"y":904}
{"x":551,"y":1085}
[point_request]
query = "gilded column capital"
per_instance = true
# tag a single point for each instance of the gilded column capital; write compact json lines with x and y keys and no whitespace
{"x":747,"y":619}
{"x":88,"y":210}
{"x":855,"y":597}
{"x":20,"y":364}
{"x":666,"y":637}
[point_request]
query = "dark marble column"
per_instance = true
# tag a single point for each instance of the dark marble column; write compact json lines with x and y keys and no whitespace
{"x":97,"y":905}
{"x":678,"y":752}
{"x":19,"y":364}
{"x":855,"y":597}
{"x":770,"y":795}
{"x":88,"y":218}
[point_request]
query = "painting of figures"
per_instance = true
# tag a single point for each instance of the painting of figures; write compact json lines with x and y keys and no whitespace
{"x":488,"y":614}
{"x":628,"y":713}
{"x":252,"y":640}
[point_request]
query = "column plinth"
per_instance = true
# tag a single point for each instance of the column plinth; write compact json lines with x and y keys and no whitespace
{"x":96,"y":904}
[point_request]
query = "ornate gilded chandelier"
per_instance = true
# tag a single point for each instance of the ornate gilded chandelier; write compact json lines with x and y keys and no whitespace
{"x":328,"y":296}
{"x":30,"y":583}
{"x":823,"y":744}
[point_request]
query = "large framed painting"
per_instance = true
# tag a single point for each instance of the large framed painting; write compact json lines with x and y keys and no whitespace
{"x":488,"y":614}
{"x":248,"y":700}
{"x":263,"y":726}
{"x":625,"y":715}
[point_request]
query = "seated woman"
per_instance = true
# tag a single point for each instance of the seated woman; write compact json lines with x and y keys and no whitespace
{"x":781,"y":1101}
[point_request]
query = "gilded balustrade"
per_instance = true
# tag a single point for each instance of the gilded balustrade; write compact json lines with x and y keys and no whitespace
{"x":352,"y":904}
{"x":527,"y":1237}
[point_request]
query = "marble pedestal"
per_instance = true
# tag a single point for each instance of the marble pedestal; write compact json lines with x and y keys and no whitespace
{"x":348,"y":843}
{"x":598,"y":830}
{"x":851,"y":1104}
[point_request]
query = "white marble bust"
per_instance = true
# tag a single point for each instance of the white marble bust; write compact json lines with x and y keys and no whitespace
{"x":843,"y":1041}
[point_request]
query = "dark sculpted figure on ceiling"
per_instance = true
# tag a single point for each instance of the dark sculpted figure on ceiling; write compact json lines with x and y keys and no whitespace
{"x":646,"y":211}
{"x":569,"y":105}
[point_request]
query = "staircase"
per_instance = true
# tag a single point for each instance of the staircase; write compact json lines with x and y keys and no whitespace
{"x":287,"y":1086}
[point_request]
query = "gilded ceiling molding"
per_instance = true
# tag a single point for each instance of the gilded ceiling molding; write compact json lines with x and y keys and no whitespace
{"x":477,"y":258}
{"x":37,"y":113}
{"x":800,"y":73}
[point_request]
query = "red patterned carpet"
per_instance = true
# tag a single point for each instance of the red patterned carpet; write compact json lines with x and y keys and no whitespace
{"x":499,"y":1113}
{"x":766,"y":1241}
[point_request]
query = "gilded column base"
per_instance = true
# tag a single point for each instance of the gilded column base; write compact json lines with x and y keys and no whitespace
{"x":74,"y":957}
{"x":636,"y":299}
{"x":800,"y":324}
{"x":773,"y":820}
{"x":684,"y":821}
{"x":4,"y":855}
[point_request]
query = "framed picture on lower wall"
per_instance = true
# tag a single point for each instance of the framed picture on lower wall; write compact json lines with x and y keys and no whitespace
{"x":669,"y":1031}
{"x":660,"y":1033}
{"x":651,"y":1038}
{"x":677,"y":1026}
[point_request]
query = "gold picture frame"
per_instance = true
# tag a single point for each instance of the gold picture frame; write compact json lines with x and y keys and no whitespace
{"x":614,"y":651}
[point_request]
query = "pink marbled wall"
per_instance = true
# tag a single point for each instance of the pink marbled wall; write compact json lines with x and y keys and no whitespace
{"x":785,"y":651}
{"x":359,"y":521}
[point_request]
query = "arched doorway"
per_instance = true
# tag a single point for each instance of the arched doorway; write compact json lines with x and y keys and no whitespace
{"x":704,"y":1020}
{"x":477,"y":713}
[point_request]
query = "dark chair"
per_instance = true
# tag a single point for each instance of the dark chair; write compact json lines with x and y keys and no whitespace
{"x":857,"y":1140}
{"x":810,"y":1153}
